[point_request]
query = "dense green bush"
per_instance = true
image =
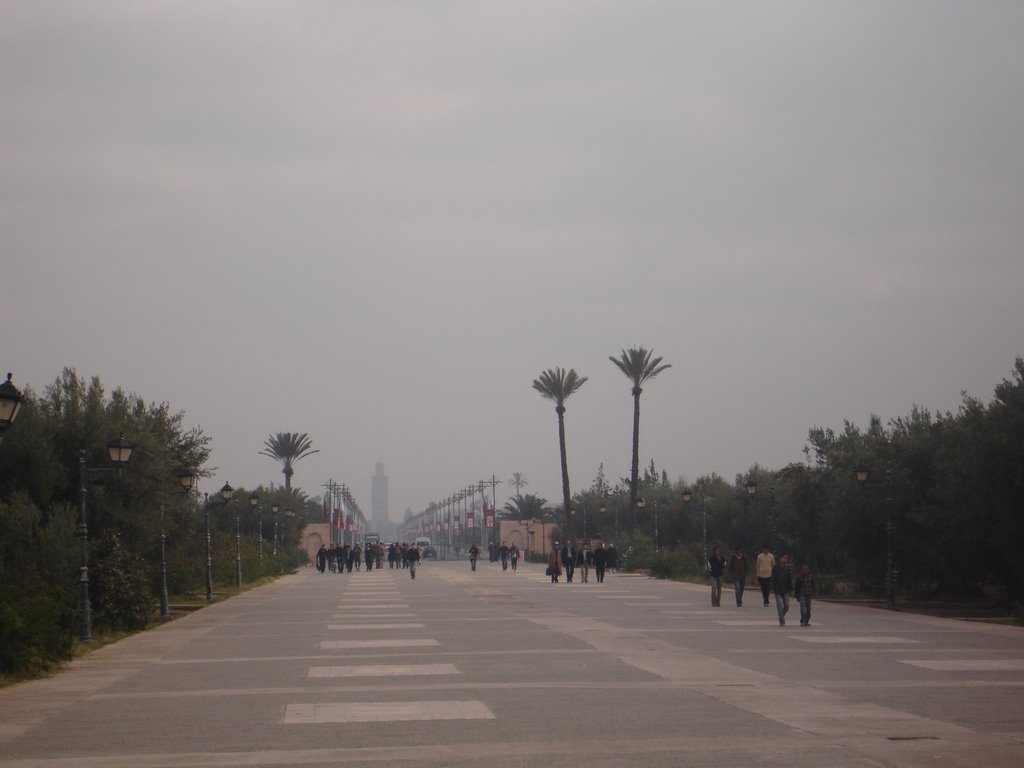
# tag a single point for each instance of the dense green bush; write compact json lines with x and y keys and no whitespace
{"x":122,"y":598}
{"x":35,"y":628}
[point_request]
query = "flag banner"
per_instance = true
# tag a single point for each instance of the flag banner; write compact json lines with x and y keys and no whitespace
{"x":350,"y":524}
{"x":457,"y":530}
{"x":326,"y":519}
{"x":489,"y":519}
{"x":470,"y":519}
{"x":336,"y":522}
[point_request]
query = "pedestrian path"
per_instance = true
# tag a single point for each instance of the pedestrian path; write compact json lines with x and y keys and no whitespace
{"x":383,"y":597}
{"x":456,"y":669}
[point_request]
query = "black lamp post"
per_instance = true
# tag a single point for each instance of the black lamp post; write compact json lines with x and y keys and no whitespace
{"x":10,"y":404}
{"x":186,"y":478}
{"x":862,"y":473}
{"x":640,"y":504}
{"x":290,"y":514}
{"x":254,"y":501}
{"x":120,"y":451}
{"x":274,"y":507}
{"x":751,"y":487}
{"x":225,"y":495}
{"x":687,"y":496}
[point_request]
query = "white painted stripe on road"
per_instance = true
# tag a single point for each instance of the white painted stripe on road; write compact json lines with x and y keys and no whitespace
{"x":748,"y":622}
{"x":380,"y":712}
{"x":414,"y":642}
{"x":853,"y":640}
{"x":377,"y":626}
{"x":384,"y":670}
{"x":968,"y":665}
{"x":375,"y":606}
{"x":362,"y":616}
{"x":371,"y":601}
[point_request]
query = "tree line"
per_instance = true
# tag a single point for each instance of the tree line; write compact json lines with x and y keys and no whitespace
{"x":941,"y":493}
{"x":128,"y":512}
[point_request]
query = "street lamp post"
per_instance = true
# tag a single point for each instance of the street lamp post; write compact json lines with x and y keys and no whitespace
{"x":862,"y":473}
{"x":687,"y":498}
{"x":751,"y":487}
{"x":120,"y":451}
{"x":225,"y":495}
{"x":186,"y":478}
{"x":10,"y":404}
{"x":238,"y":543}
{"x":254,"y":501}
{"x":274,"y":507}
{"x":290,"y":514}
{"x":640,"y":504}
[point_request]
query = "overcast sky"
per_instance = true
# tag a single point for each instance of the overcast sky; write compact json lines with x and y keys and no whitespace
{"x":378,"y":222}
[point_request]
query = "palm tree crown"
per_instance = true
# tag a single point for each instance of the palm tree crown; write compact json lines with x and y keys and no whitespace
{"x":638,"y":365}
{"x":288,"y":448}
{"x":518,"y":481}
{"x":558,"y":384}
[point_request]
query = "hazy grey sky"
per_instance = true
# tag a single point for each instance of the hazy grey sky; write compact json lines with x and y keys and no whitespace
{"x":378,"y":222}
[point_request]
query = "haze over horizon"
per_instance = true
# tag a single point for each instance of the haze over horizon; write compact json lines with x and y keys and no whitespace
{"x":378,"y":223}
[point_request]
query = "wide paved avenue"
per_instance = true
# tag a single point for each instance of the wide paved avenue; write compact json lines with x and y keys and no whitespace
{"x":498,"y":669}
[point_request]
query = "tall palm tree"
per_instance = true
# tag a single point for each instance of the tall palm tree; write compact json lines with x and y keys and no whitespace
{"x":638,"y":365}
{"x":518,"y":481}
{"x":288,"y":447}
{"x":558,"y":384}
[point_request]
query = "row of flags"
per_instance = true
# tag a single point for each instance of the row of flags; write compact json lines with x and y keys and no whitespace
{"x":453,"y":522}
{"x":339,"y":519}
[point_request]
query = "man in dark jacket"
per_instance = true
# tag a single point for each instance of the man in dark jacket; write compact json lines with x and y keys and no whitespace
{"x":716,"y":567}
{"x":782,"y":585}
{"x":738,"y":572}
{"x":600,"y":561}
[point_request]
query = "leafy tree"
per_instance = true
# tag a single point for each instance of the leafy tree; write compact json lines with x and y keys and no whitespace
{"x":558,"y":385}
{"x":288,"y":448}
{"x":638,"y":365}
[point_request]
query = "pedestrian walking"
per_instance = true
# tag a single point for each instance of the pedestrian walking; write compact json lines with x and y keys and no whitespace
{"x":474,"y":553}
{"x":763,"y":571}
{"x":738,"y":573}
{"x":584,"y":559}
{"x":803,"y":590}
{"x":321,"y":559}
{"x":503,"y":553}
{"x":555,"y":563}
{"x":613,"y":559}
{"x":513,"y":555}
{"x":600,"y":561}
{"x":716,"y":567}
{"x":413,"y":556}
{"x":782,"y":585}
{"x":568,"y":560}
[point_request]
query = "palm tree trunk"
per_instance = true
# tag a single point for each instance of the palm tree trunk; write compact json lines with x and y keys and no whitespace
{"x":634,"y":474}
{"x":565,"y":473}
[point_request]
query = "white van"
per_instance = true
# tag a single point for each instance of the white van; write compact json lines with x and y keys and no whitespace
{"x":426,"y":548}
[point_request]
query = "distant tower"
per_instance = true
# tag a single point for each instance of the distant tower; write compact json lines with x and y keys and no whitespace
{"x":379,"y":495}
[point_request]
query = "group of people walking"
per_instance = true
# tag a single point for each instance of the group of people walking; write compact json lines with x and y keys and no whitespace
{"x":346,"y":558}
{"x":568,"y":559}
{"x":774,"y":576}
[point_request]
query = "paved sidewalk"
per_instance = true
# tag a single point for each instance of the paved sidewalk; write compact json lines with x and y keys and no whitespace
{"x":457,"y":668}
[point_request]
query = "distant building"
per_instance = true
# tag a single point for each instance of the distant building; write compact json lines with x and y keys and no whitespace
{"x":379,"y":498}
